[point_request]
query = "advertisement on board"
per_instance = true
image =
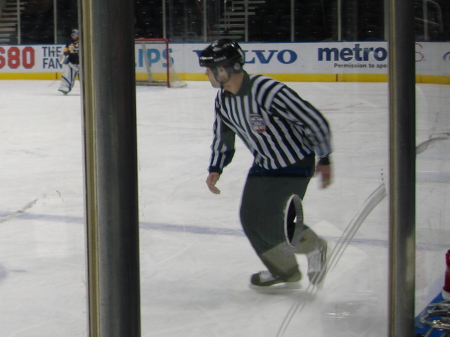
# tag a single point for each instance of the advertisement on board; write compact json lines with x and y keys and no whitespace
{"x":432,"y":58}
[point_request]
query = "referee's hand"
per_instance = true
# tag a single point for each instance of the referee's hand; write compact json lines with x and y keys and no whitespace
{"x":325,"y":172}
{"x":211,"y":182}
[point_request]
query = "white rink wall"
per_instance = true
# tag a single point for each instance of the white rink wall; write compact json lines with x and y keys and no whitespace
{"x":324,"y":61}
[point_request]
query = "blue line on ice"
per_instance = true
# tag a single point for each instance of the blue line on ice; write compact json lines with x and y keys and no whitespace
{"x":207,"y":230}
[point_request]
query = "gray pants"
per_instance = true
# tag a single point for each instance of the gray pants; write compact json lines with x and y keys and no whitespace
{"x":265,"y":209}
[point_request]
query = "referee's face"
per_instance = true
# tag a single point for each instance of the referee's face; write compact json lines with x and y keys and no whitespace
{"x":212,"y":78}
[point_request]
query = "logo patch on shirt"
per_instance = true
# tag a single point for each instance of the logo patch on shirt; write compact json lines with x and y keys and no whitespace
{"x":257,"y":123}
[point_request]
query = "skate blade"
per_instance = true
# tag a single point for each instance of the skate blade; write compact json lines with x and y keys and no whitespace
{"x":280,"y":287}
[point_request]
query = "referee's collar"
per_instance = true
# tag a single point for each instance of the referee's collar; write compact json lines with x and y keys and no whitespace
{"x":244,"y":89}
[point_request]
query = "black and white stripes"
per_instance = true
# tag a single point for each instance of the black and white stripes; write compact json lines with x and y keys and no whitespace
{"x":276,"y":125}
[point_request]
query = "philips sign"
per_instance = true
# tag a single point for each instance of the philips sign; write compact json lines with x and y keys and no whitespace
{"x":352,"y":54}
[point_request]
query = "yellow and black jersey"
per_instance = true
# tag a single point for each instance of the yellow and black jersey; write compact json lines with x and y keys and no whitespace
{"x":71,"y":50}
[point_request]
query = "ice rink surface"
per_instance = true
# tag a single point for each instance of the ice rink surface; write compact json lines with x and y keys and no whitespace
{"x":195,"y":260}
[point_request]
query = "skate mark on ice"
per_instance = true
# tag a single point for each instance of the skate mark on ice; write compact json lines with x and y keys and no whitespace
{"x":21,"y":211}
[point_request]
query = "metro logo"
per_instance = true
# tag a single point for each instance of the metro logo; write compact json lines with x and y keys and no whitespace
{"x":352,"y":54}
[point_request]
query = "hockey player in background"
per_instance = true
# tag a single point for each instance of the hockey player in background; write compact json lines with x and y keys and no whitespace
{"x":70,"y":63}
{"x":285,"y":134}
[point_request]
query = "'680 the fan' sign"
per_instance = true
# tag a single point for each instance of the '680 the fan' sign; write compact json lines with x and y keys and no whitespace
{"x":14,"y":57}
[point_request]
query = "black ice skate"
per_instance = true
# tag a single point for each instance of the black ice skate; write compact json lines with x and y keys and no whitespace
{"x":266,"y":279}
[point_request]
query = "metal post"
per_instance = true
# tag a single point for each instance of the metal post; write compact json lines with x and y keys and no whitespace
{"x":110,"y":145}
{"x":402,"y":169}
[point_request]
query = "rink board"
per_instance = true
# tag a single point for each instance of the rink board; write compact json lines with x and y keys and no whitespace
{"x":299,"y":62}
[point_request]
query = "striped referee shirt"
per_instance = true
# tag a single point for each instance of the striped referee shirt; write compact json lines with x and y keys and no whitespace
{"x":277,"y":126}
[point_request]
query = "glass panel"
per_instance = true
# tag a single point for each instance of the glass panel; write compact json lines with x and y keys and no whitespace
{"x":433,"y":131}
{"x":42,"y":235}
{"x":196,"y":261}
{"x":433,"y":236}
{"x":351,"y":215}
{"x":42,"y":240}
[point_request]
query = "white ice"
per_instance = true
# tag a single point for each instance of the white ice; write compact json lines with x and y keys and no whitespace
{"x":195,"y":260}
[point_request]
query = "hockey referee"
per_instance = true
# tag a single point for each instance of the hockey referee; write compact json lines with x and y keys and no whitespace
{"x":285,"y":134}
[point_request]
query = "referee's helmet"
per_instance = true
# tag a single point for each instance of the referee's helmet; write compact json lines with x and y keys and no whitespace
{"x":223,"y":52}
